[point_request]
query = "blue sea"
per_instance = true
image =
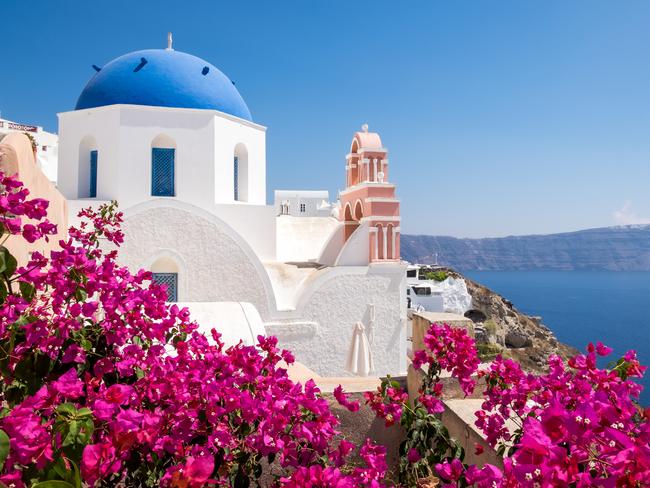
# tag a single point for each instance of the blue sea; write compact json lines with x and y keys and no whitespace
{"x":583,"y":306}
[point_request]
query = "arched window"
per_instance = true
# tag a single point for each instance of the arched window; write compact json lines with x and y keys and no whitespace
{"x":240,"y":173}
{"x":163,"y":162}
{"x":354,"y":162}
{"x":390,"y":242}
{"x":164,"y":271}
{"x":88,"y":168}
{"x":348,"y":213}
{"x":381,"y":242}
{"x":358,"y":211}
{"x":92,"y":193}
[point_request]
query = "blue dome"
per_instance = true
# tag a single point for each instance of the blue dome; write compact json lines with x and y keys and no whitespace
{"x":163,"y":78}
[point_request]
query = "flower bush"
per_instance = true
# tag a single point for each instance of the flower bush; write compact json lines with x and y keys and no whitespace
{"x":106,"y":384}
{"x":428,"y":442}
{"x":577,"y":425}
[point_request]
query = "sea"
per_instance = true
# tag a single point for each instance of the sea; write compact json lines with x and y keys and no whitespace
{"x":583,"y":306}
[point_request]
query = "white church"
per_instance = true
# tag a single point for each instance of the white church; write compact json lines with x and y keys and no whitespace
{"x":169,"y":137}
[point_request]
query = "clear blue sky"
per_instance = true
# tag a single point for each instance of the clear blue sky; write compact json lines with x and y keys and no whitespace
{"x":500,"y":117}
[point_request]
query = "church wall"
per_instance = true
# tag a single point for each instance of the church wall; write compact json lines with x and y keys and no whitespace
{"x":79,"y":132}
{"x":356,"y":250}
{"x":214,"y":263}
{"x":303,"y":238}
{"x":331,"y":305}
{"x":227,"y":135}
{"x":254,"y":223}
{"x":204,"y":142}
{"x":193,"y":139}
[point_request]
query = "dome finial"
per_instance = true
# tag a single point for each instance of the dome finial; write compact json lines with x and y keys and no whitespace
{"x":169,"y":41}
{"x":364,"y":128}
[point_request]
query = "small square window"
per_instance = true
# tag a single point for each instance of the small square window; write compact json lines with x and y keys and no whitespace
{"x":170,"y":281}
{"x":303,"y":207}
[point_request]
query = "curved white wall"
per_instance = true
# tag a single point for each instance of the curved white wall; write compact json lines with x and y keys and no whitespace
{"x":215,"y":264}
{"x":320,"y":332}
{"x":355,"y":251}
{"x":302,"y":238}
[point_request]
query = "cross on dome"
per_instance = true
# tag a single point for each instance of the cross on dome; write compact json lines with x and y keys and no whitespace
{"x":169,"y":41}
{"x":364,"y":128}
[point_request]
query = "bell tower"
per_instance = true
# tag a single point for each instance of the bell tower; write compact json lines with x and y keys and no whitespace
{"x":369,"y":200}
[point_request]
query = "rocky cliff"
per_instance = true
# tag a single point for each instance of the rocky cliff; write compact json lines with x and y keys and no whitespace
{"x":622,"y":248}
{"x":501,"y":329}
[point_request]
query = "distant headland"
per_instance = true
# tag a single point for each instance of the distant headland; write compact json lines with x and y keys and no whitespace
{"x":620,"y":248}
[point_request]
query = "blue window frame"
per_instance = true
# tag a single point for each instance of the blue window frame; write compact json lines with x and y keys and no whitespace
{"x":169,"y":280}
{"x":236,"y":173}
{"x":92,"y":189}
{"x":162,"y":172}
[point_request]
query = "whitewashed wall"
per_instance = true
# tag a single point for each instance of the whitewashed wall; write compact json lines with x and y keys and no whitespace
{"x":320,"y":331}
{"x":205,"y":142}
{"x":302,"y":238}
{"x":215,"y":263}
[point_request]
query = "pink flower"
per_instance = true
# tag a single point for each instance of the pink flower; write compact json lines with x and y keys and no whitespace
{"x":68,"y":385}
{"x":104,"y":410}
{"x":342,"y":399}
{"x":98,"y":462}
{"x":432,"y":404}
{"x":195,"y":473}
{"x":603,"y":350}
{"x":119,"y":393}
{"x":450,"y":471}
{"x":413,"y":455}
{"x":75,"y":354}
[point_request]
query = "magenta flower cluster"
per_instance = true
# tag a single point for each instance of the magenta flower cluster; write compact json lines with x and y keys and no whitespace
{"x":577,"y":425}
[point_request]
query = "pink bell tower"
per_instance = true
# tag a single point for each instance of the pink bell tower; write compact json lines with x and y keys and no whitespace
{"x":369,"y":198}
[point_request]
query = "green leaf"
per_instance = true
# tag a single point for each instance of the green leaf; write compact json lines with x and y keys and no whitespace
{"x":4,"y":447}
{"x":84,"y":412}
{"x":73,"y":432}
{"x":8,"y":263}
{"x":27,"y":290}
{"x":80,"y":294}
{"x":66,"y":409}
{"x":53,"y":484}
{"x":3,"y":291}
{"x":60,"y":469}
{"x":77,"y":475}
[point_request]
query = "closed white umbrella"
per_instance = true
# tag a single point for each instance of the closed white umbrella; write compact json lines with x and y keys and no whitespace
{"x":359,"y":361}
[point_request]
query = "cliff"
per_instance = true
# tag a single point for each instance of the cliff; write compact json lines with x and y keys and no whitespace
{"x":621,"y":248}
{"x":502,"y":329}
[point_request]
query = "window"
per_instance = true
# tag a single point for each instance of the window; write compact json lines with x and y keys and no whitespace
{"x":240,"y":173}
{"x":162,"y":172}
{"x":170,"y":281}
{"x":412,"y":273}
{"x":236,"y":174}
{"x":92,"y":189}
{"x":422,"y":291}
{"x":303,"y":208}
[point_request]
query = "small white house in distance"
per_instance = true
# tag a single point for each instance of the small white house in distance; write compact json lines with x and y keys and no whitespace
{"x":303,"y":203}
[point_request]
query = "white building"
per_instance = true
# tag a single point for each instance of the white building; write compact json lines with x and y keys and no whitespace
{"x":303,"y":203}
{"x":167,"y":135}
